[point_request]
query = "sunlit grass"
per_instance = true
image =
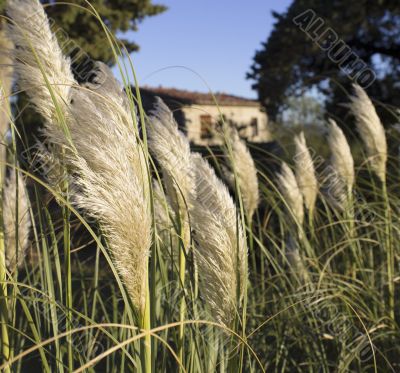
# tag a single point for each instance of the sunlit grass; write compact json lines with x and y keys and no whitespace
{"x":67,"y":308}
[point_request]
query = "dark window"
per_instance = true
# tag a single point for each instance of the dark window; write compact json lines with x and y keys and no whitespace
{"x":254,"y":127}
{"x":222,"y":120}
{"x":205,"y":126}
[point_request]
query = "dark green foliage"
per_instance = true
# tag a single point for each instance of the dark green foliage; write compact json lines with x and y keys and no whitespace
{"x":85,"y":30}
{"x":290,"y":61}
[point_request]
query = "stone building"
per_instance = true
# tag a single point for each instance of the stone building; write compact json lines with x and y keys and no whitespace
{"x":199,"y":116}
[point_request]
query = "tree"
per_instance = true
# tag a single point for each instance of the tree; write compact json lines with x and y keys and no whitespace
{"x":301,"y":111}
{"x":290,"y":62}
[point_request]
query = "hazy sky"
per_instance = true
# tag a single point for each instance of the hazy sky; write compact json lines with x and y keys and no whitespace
{"x":214,"y":38}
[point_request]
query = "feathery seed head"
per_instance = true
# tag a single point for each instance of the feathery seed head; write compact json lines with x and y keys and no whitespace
{"x":172,"y":150}
{"x":15,"y":245}
{"x":97,"y":141}
{"x":341,"y":158}
{"x":112,"y":178}
{"x":291,"y":193}
{"x":305,"y":172}
{"x":371,"y":131}
{"x":221,"y":251}
{"x":243,"y":164}
{"x":39,"y":59}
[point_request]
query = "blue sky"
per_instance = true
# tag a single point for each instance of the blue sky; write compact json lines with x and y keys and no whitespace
{"x":215,"y":39}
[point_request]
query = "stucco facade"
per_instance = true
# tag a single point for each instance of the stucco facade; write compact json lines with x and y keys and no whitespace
{"x":201,"y":119}
{"x":250,"y":121}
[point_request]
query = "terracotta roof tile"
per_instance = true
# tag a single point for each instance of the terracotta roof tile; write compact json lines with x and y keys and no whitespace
{"x":200,"y":98}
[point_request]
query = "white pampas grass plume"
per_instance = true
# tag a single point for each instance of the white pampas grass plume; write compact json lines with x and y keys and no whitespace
{"x":305,"y":173}
{"x":221,"y":252}
{"x":97,"y":142}
{"x":111,"y":175}
{"x":40,"y":62}
{"x":246,"y":173}
{"x":341,"y":158}
{"x":105,"y":87}
{"x":16,"y":244}
{"x":371,"y":131}
{"x":291,"y":193}
{"x":171,"y":149}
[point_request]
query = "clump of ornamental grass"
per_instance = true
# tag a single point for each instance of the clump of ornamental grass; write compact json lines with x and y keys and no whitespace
{"x":91,"y":130}
{"x":44,"y":73}
{"x":371,"y":130}
{"x":244,"y":171}
{"x":341,"y":158}
{"x":291,"y":193}
{"x":171,"y":149}
{"x":221,"y":252}
{"x":112,"y":185}
{"x":373,"y":136}
{"x":340,"y":178}
{"x":16,"y":220}
{"x":305,"y":173}
{"x":293,"y":199}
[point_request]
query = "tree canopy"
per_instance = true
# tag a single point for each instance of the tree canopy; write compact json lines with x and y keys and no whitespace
{"x":290,"y":62}
{"x":120,"y":16}
{"x":75,"y":22}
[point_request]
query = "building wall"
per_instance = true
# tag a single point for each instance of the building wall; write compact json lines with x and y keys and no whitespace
{"x":241,"y":116}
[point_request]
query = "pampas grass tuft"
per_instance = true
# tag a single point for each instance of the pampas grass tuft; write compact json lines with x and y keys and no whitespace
{"x":112,"y":182}
{"x":305,"y":173}
{"x":291,"y":193}
{"x":172,"y":150}
{"x":39,"y":59}
{"x":371,"y":131}
{"x":97,"y":144}
{"x":341,"y":158}
{"x":246,"y":173}
{"x":221,"y":251}
{"x":340,"y":178}
{"x":15,"y":244}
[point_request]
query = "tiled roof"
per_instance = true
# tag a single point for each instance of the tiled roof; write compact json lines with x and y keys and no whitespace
{"x":190,"y":97}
